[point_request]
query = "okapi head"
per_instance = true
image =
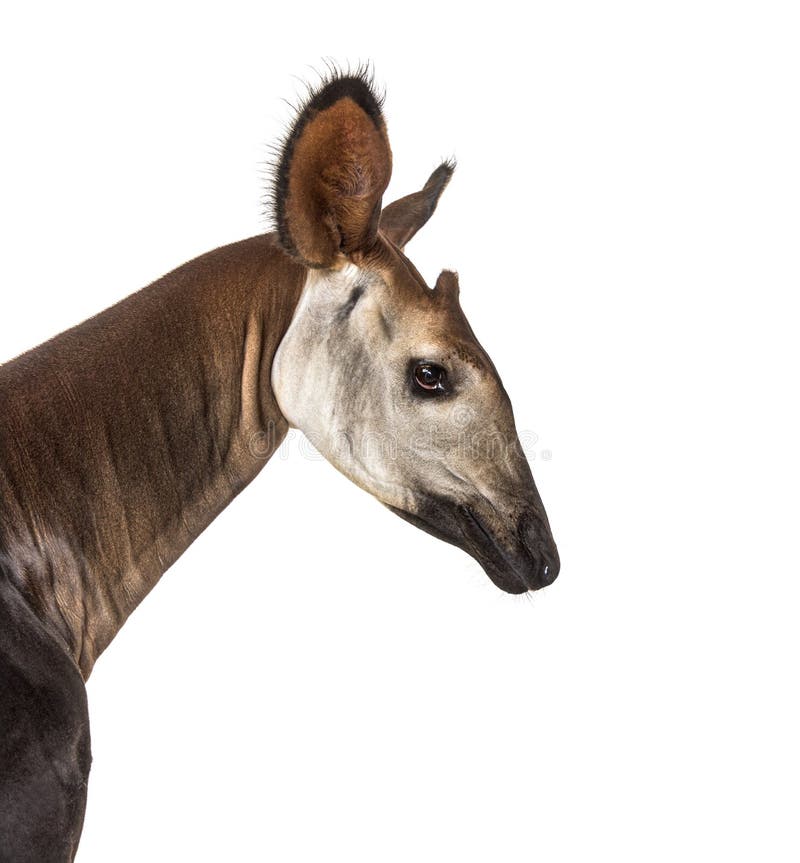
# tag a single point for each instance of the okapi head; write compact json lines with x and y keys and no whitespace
{"x":382,"y":373}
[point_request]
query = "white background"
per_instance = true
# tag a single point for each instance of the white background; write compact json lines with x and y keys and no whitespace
{"x":317,"y":680}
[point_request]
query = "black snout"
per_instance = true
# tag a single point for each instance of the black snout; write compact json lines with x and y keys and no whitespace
{"x":518,"y":555}
{"x":525,"y":560}
{"x":543,"y":563}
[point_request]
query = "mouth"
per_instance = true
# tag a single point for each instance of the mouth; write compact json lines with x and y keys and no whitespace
{"x":528,"y":562}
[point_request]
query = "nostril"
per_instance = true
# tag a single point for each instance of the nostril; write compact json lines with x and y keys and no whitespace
{"x":550,"y":567}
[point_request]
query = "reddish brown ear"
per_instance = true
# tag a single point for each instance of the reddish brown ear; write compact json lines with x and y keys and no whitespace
{"x":404,"y":217}
{"x":333,"y":170}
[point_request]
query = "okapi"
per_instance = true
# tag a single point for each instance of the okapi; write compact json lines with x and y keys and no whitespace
{"x":121,"y":439}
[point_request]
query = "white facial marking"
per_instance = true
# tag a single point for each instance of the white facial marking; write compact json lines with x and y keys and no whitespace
{"x":321,"y":373}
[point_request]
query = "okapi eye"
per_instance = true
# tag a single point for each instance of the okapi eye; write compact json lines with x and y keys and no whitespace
{"x":430,"y":378}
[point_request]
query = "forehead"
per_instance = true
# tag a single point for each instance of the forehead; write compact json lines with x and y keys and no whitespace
{"x":425,"y":317}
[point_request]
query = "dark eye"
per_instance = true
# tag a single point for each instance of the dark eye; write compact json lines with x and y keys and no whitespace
{"x":430,"y":378}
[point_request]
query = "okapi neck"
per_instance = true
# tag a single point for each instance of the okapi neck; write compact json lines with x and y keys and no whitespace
{"x":125,"y":436}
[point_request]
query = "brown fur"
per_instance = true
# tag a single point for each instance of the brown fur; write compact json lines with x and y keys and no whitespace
{"x":125,"y":436}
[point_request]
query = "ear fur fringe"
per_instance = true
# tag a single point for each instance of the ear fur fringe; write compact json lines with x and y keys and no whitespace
{"x":335,"y":83}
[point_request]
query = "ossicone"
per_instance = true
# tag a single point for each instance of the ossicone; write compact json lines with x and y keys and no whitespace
{"x":447,"y":285}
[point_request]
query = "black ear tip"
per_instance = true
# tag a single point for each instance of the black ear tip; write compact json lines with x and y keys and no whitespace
{"x":356,"y":84}
{"x":441,"y":176}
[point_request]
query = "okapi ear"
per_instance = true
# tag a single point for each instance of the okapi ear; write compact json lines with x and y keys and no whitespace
{"x":403,"y":218}
{"x":334,"y":167}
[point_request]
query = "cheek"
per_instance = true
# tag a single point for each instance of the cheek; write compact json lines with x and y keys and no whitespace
{"x":451,"y":435}
{"x":427,"y":435}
